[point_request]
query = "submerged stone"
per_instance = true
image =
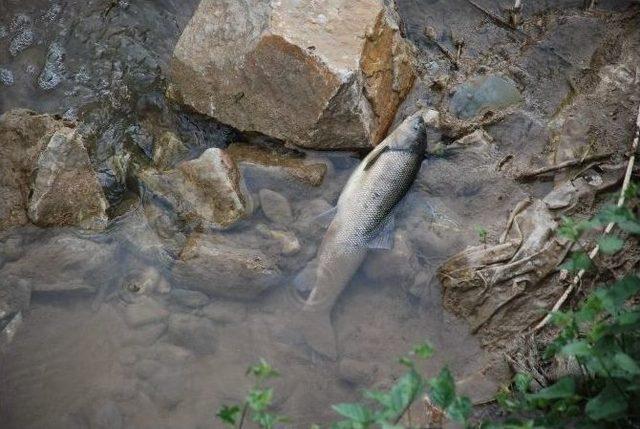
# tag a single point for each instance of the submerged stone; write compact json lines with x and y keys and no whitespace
{"x":6,"y":77}
{"x":482,"y":95}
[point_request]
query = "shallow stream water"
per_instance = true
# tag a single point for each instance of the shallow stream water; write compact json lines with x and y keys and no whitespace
{"x":117,"y":337}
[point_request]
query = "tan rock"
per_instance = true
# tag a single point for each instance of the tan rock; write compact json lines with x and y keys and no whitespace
{"x":23,"y":135}
{"x":325,"y":75}
{"x":207,"y":190}
{"x":65,"y":190}
{"x":168,"y":150}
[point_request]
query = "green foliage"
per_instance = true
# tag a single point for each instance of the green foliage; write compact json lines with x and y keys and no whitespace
{"x":482,"y":234}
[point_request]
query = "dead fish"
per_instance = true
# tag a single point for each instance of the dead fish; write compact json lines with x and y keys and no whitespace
{"x":363,"y":220}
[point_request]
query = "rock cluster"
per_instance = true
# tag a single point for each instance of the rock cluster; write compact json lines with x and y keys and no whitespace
{"x":324,"y":75}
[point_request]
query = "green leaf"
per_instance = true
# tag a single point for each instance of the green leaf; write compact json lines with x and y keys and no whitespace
{"x":607,"y":405}
{"x":614,"y":297}
{"x":260,"y":399}
{"x":577,"y":261}
{"x":405,"y":391}
{"x":577,"y":348}
{"x":423,"y":351}
{"x":442,"y":389}
{"x":522,"y":382}
{"x":610,"y":244}
{"x":626,"y":363}
{"x":228,"y":414}
{"x":460,"y":409}
{"x":262,"y":370}
{"x":354,"y":412}
{"x":561,"y":389}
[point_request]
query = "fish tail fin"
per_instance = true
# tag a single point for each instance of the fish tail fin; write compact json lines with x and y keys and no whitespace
{"x":317,"y":330}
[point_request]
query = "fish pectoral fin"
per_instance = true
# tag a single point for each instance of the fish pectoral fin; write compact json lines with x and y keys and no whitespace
{"x":325,"y":218}
{"x":384,"y":239}
{"x":373,"y":156}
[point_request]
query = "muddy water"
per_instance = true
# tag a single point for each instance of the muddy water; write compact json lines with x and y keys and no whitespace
{"x":115,"y":338}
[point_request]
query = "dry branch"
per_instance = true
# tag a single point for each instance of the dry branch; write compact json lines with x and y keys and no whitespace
{"x":607,"y":230}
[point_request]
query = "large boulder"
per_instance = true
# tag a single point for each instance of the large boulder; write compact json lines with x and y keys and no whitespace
{"x":206,"y":191}
{"x":323,"y":75}
{"x":65,"y":191}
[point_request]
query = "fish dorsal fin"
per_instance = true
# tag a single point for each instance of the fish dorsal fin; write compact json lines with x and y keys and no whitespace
{"x":384,"y":239}
{"x":374,"y":155}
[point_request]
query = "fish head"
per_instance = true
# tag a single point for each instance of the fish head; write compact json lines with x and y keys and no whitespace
{"x":411,"y":134}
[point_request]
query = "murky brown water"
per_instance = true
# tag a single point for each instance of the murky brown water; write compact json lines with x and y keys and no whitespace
{"x":129,"y":345}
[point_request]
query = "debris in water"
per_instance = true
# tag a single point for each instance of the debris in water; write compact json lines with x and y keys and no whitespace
{"x":6,"y":77}
{"x":51,"y":75}
{"x":21,"y":41}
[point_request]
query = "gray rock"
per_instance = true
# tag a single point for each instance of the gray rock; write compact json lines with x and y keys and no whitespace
{"x":225,"y":312}
{"x":51,"y":75}
{"x":15,"y":296}
{"x":481,"y":95}
{"x":63,"y":262}
{"x":275,"y":207}
{"x":145,"y":335}
{"x":145,"y":311}
{"x":356,"y":372}
{"x":193,"y":332}
{"x":215,"y":267}
{"x":107,"y":416}
{"x":189,"y":298}
{"x":6,"y":77}
{"x":166,"y":388}
{"x":21,"y":41}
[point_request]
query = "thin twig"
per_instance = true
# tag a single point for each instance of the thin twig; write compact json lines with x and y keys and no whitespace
{"x":607,"y":230}
{"x":523,"y":177}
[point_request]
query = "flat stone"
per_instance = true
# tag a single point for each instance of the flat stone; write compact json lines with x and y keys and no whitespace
{"x":277,"y":163}
{"x":208,"y":190}
{"x":275,"y":207}
{"x":356,"y":372}
{"x":189,"y":298}
{"x":62,"y":263}
{"x":215,"y":267}
{"x":347,"y":69}
{"x":225,"y":312}
{"x":193,"y":332}
{"x":144,"y":312}
{"x":482,"y":95}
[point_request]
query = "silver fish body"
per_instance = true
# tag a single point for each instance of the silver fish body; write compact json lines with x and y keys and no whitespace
{"x":362,"y":214}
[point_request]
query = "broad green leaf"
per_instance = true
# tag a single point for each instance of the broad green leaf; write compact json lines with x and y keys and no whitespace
{"x":260,"y":399}
{"x":405,"y":391}
{"x":614,"y":297}
{"x":577,"y":348}
{"x":626,"y":363}
{"x":460,"y":409}
{"x":610,"y":244}
{"x":228,"y":414}
{"x":561,"y":389}
{"x":354,"y":412}
{"x":381,"y":397}
{"x":608,"y":404}
{"x":442,"y":389}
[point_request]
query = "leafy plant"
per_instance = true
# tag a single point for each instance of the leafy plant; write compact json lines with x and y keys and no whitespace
{"x":257,"y":402}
